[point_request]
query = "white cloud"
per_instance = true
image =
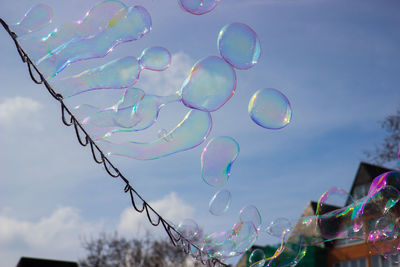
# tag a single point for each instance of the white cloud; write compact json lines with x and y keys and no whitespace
{"x":171,"y":207}
{"x":169,"y":81}
{"x":18,"y":109}
{"x":56,"y":236}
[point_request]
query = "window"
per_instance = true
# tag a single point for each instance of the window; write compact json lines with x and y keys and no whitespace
{"x":379,"y":261}
{"x":353,"y":263}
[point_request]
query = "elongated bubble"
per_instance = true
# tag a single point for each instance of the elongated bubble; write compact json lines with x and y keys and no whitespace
{"x":239,"y":45}
{"x":133,"y":26}
{"x":198,"y":7}
{"x":217,"y":159}
{"x":35,"y":19}
{"x":102,"y":15}
{"x":270,"y":109}
{"x":189,"y":133}
{"x":211,"y":83}
{"x":220,"y":202}
{"x":116,"y":74}
{"x":250,"y":214}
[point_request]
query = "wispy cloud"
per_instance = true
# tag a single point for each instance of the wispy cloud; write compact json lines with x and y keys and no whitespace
{"x":19,"y":110}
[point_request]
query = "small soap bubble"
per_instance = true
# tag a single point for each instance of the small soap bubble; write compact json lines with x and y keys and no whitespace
{"x":35,"y":19}
{"x":211,"y":83}
{"x":189,"y":229}
{"x":250,"y":214}
{"x":239,"y":45}
{"x":155,"y":58}
{"x":278,"y":227}
{"x":220,"y":202}
{"x":198,"y":7}
{"x":217,"y":159}
{"x":270,"y":109}
{"x":256,"y":258}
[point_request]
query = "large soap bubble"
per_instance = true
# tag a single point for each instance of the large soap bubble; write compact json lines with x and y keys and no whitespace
{"x":220,"y":202}
{"x":217,"y":159}
{"x":101,"y":16}
{"x":35,"y":19}
{"x":270,"y":109}
{"x":239,"y":45}
{"x":119,"y":73}
{"x":133,"y":26}
{"x":211,"y":83}
{"x":198,"y":7}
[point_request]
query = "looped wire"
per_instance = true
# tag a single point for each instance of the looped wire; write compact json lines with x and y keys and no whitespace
{"x":175,"y":237}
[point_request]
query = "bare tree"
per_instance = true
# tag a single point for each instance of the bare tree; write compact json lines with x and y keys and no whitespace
{"x":114,"y":251}
{"x":388,"y":150}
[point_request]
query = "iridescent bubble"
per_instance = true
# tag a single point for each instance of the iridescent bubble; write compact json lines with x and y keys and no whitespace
{"x":118,"y":73}
{"x":198,"y":7}
{"x":244,"y":235}
{"x":218,"y":245}
{"x":133,"y":26}
{"x":270,"y":109}
{"x":239,"y":45}
{"x":189,"y":229}
{"x":35,"y":19}
{"x":217,"y":159}
{"x":220,"y":202}
{"x":102,"y":15}
{"x":384,"y":238}
{"x":155,"y":58}
{"x":257,"y":258}
{"x":279,"y":226}
{"x":333,"y":196}
{"x":250,"y":214}
{"x":189,"y":133}
{"x":211,"y":83}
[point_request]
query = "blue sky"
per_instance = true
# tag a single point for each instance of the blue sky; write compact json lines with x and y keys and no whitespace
{"x":336,"y":61}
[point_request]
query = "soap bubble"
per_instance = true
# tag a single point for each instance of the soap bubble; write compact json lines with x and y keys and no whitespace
{"x":217,"y":159}
{"x":239,"y":45}
{"x":118,"y":73}
{"x":189,"y":133}
{"x":270,"y":109}
{"x":189,"y":229}
{"x":155,"y":58}
{"x":384,"y":238}
{"x":211,"y":83}
{"x":35,"y":19}
{"x":333,"y":198}
{"x":279,"y":226}
{"x":250,"y":214}
{"x":256,"y":258}
{"x":133,"y":26}
{"x":198,"y":7}
{"x":244,"y":235}
{"x":220,"y":202}
{"x":101,"y":16}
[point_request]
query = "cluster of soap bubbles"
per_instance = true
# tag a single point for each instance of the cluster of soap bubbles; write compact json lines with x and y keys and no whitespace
{"x":211,"y":83}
